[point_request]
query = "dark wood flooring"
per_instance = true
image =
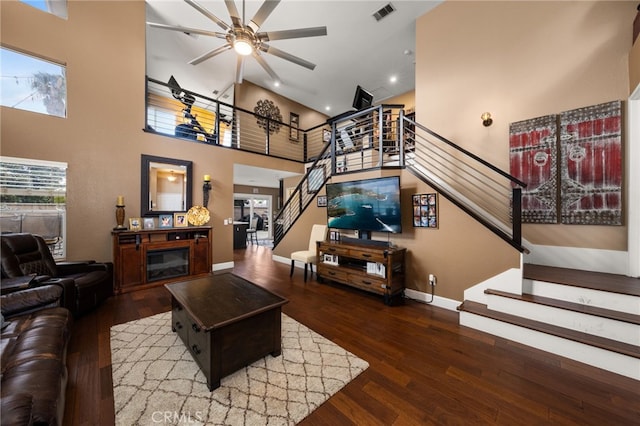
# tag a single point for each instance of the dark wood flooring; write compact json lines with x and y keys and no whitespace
{"x":424,"y":367}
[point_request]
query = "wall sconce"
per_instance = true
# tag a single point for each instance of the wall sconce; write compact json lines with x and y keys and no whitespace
{"x":206,"y":187}
{"x":486,"y":119}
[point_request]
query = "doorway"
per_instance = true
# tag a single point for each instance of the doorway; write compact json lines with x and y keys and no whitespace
{"x":260,"y":206}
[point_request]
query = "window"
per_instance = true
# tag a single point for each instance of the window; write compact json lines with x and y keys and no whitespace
{"x":55,"y":7}
{"x":33,"y":199}
{"x":161,"y":121}
{"x":32,"y":84}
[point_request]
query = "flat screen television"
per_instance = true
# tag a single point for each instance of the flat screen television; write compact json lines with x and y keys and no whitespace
{"x":367,"y":205}
{"x":362,"y":99}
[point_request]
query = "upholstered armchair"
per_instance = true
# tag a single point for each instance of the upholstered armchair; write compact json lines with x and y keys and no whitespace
{"x":85,"y":284}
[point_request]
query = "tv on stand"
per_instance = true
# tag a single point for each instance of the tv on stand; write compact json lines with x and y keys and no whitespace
{"x":365,"y":206}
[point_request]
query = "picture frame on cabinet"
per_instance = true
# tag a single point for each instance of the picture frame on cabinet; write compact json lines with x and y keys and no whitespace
{"x":165,"y":221}
{"x":180,"y":220}
{"x":149,"y":223}
{"x":135,"y":224}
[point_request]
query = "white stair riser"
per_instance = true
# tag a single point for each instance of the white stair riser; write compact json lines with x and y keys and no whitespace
{"x":600,"y":358}
{"x":591,"y":324}
{"x":585,"y":296}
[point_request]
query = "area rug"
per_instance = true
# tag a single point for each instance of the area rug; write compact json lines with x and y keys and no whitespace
{"x":155,"y":379}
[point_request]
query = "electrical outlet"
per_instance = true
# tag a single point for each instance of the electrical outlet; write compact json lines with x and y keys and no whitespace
{"x":432,"y":280}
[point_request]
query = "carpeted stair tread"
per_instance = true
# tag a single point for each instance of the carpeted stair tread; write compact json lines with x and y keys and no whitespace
{"x":571,"y":306}
{"x":613,"y":283}
{"x":577,"y":336}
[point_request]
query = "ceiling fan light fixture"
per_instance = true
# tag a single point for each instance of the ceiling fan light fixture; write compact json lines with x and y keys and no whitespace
{"x":242,"y":44}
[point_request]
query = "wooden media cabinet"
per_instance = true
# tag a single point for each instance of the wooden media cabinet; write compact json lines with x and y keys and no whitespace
{"x":153,"y":257}
{"x":374,"y":268}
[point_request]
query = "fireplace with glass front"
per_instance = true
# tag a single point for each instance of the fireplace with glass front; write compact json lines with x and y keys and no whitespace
{"x":153,"y":257}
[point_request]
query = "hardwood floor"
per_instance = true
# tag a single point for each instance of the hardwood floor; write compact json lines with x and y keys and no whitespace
{"x":424,"y":367}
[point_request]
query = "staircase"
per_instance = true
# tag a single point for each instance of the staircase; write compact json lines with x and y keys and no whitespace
{"x":589,"y":317}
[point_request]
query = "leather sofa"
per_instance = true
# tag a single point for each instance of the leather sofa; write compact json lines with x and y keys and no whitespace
{"x":85,"y":284}
{"x":35,"y":337}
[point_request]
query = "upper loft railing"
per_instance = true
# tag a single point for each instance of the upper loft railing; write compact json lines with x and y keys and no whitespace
{"x":210,"y":121}
{"x":378,"y":137}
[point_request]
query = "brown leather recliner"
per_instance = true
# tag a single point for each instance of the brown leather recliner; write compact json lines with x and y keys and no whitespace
{"x":34,"y":340}
{"x":85,"y":284}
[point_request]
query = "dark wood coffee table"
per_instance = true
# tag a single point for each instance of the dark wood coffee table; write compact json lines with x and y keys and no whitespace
{"x":226,"y":322}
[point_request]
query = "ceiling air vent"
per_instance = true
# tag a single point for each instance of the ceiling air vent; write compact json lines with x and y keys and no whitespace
{"x":384,"y":11}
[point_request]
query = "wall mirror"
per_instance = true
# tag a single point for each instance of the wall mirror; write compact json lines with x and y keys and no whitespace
{"x":165,"y":185}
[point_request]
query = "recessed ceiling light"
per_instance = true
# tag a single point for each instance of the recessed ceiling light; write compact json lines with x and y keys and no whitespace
{"x":393,"y":78}
{"x":327,"y":108}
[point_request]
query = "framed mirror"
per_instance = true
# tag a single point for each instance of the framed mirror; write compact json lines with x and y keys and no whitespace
{"x":165,"y":185}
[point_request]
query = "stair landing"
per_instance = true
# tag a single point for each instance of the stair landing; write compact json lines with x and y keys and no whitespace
{"x":593,"y":280}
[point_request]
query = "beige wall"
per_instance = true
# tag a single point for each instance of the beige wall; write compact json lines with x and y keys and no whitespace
{"x":521,"y":60}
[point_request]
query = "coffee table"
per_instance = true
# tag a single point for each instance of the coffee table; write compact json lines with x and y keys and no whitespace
{"x":226,"y":322}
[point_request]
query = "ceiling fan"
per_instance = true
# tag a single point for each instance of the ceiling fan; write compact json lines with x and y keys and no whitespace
{"x":244,"y":38}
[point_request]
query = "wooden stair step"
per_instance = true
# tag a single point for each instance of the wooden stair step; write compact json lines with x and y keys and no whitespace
{"x":571,"y":306}
{"x":577,"y":336}
{"x":587,"y":279}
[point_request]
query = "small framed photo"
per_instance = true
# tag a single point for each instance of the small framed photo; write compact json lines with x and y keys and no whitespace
{"x":135,"y":223}
{"x":326,"y":135}
{"x":180,"y":219}
{"x":165,"y":221}
{"x":322,"y":201}
{"x":149,"y":223}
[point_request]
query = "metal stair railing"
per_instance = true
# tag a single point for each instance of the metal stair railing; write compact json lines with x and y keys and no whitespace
{"x":488,"y":194}
{"x":304,"y":193}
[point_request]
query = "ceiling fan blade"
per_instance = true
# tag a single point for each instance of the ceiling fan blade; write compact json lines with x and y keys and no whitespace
{"x":262,"y":14}
{"x":208,"y":14}
{"x":239,"y":69}
{"x":266,"y":67}
{"x":186,"y":30}
{"x":210,"y":54}
{"x":287,"y":56}
{"x":297,"y":33}
{"x":233,"y":12}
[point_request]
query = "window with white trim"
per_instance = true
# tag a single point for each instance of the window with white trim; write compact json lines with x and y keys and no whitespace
{"x":33,"y":196}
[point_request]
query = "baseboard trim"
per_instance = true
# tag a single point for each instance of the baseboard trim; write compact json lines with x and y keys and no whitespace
{"x":221,"y":266}
{"x":441,"y":302}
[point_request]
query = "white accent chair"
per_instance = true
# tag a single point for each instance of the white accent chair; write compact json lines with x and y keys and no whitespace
{"x":308,"y":257}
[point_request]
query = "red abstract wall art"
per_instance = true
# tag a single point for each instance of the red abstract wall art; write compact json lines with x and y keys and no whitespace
{"x":533,"y":159}
{"x":591,"y":165}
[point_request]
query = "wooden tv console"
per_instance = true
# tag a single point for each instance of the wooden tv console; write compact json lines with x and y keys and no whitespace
{"x":152,"y":257}
{"x":373,"y":268}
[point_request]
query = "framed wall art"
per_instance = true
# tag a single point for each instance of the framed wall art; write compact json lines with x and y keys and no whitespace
{"x":425,"y":210}
{"x":294,"y":125}
{"x":322,"y":201}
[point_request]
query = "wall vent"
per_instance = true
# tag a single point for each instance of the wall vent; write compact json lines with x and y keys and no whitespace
{"x":386,"y":10}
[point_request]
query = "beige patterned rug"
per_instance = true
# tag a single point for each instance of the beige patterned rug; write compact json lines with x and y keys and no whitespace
{"x":156,"y":381}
